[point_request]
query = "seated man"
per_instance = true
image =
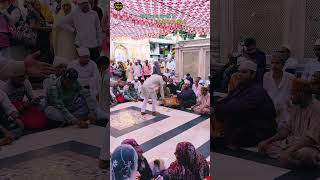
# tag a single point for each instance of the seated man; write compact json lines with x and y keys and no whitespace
{"x":137,"y":85}
{"x":172,"y":86}
{"x":297,"y":143}
{"x":89,"y":76}
{"x":248,"y":113}
{"x":116,"y":94}
{"x":69,"y":103}
{"x":315,"y":83}
{"x":17,"y":88}
{"x":203,"y":102}
{"x":186,"y":97}
{"x":189,"y":78}
{"x":11,"y":127}
{"x":130,"y":93}
{"x":196,"y":87}
{"x":60,"y":64}
{"x":166,"y":90}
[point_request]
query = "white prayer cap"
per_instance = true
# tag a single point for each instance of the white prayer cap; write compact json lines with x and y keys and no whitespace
{"x":166,"y":74}
{"x":83,"y":1}
{"x":287,"y":46}
{"x":201,"y":82}
{"x":317,"y":43}
{"x":136,"y":78}
{"x":248,"y":65}
{"x":184,"y":77}
{"x":60,"y":60}
{"x":241,"y":59}
{"x":187,"y":82}
{"x":83,"y":52}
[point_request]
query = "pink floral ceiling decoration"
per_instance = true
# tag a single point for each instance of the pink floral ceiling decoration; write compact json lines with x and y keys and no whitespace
{"x":140,"y":19}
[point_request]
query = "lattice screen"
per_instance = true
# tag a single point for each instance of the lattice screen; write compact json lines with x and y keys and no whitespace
{"x":312,"y":31}
{"x":260,"y":19}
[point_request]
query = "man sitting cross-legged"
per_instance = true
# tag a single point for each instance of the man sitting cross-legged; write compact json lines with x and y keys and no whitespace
{"x":248,"y":113}
{"x":298,"y":141}
{"x":69,"y":102}
{"x":130,"y":93}
{"x":11,"y":126}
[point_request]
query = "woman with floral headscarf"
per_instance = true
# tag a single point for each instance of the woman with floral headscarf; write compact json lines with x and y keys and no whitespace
{"x":143,"y":165}
{"x":124,"y":161}
{"x":190,"y":165}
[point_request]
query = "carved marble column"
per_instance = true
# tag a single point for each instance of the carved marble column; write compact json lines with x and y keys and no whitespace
{"x":294,"y":27}
{"x":225,"y":27}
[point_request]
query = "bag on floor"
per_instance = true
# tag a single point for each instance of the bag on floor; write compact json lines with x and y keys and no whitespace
{"x":120,"y":98}
{"x":32,"y":118}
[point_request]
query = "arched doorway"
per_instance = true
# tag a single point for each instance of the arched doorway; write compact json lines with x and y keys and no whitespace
{"x":120,"y":53}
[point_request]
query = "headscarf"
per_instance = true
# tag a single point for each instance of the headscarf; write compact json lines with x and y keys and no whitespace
{"x":189,"y":165}
{"x":124,"y":162}
{"x":134,"y":144}
{"x":63,"y":2}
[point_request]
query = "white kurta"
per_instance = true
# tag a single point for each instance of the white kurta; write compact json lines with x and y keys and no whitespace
{"x":197,"y":90}
{"x":86,"y":25}
{"x":150,"y":86}
{"x":137,"y":71}
{"x":137,"y":86}
{"x":310,"y":68}
{"x":130,"y":72}
{"x":88,"y":76}
{"x":6,"y":104}
{"x":279,"y":94}
{"x":171,"y":66}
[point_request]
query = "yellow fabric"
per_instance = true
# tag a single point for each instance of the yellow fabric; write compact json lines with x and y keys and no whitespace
{"x":63,"y":2}
{"x":55,"y":31}
{"x":46,"y":12}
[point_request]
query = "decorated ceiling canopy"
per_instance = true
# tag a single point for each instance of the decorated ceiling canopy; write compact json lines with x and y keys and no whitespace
{"x":150,"y":18}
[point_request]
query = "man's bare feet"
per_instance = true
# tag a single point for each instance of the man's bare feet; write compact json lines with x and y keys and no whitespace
{"x":143,"y":113}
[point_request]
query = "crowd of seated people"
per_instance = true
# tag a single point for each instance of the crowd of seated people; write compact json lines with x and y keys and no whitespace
{"x":278,"y":113}
{"x":130,"y":76}
{"x":53,"y":33}
{"x":66,"y":98}
{"x":189,"y":164}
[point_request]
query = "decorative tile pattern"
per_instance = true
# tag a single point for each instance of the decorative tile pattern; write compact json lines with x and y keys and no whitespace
{"x":70,"y":160}
{"x":129,"y":119}
{"x":125,"y":119}
{"x":64,"y":165}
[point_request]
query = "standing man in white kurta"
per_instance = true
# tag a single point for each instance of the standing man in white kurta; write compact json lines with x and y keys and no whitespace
{"x":85,"y":23}
{"x":148,"y":90}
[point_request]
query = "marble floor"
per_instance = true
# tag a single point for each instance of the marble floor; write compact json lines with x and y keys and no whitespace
{"x":59,"y":154}
{"x":159,"y":135}
{"x":247,"y":164}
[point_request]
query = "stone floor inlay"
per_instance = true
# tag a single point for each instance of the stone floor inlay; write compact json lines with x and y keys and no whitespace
{"x":65,"y":165}
{"x":124,"y":119}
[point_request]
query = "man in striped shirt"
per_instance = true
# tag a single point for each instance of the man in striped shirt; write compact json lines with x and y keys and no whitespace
{"x":69,"y":103}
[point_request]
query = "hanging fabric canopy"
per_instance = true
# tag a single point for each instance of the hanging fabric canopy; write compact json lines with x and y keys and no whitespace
{"x":151,"y":18}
